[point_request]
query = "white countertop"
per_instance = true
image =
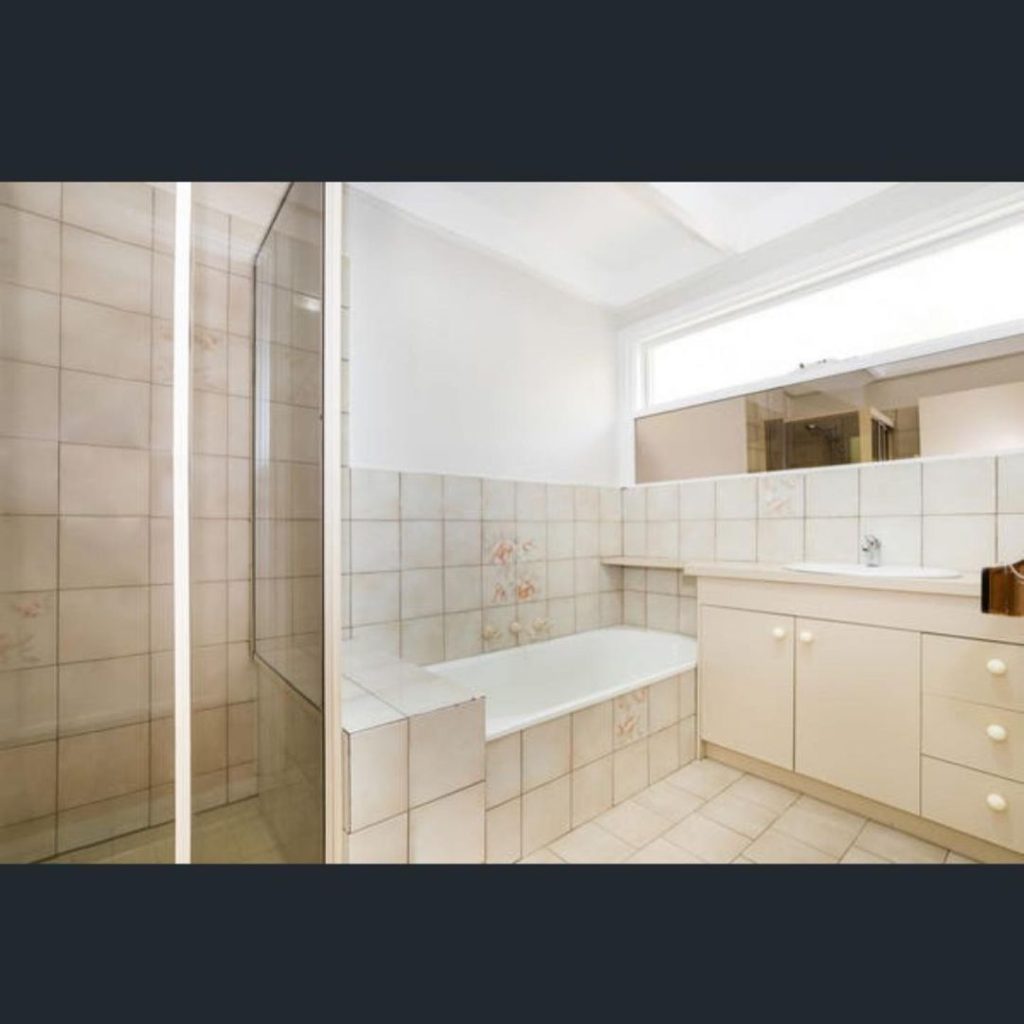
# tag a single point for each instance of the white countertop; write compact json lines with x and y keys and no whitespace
{"x":968,"y":585}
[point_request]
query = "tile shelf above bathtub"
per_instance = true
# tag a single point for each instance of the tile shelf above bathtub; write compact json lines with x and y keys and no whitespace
{"x":969,"y":585}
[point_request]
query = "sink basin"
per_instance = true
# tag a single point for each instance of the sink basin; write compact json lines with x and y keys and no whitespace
{"x":892,"y":572}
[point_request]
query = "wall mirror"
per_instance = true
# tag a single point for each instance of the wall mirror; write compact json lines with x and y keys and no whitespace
{"x":958,"y":401}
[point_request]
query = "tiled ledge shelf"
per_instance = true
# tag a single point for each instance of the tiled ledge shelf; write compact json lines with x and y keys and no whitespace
{"x":640,"y":562}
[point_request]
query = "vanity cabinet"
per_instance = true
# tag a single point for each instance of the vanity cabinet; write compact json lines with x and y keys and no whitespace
{"x":910,"y":698}
{"x":858,"y":709}
{"x":746,"y":680}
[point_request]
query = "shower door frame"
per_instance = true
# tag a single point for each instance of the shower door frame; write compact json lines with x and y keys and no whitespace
{"x":332,"y":455}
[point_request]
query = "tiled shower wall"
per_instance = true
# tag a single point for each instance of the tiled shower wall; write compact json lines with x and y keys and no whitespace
{"x":443,"y":566}
{"x":961,"y":513}
{"x":85,"y":505}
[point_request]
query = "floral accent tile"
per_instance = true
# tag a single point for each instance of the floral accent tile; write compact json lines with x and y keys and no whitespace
{"x":499,"y":585}
{"x":781,"y":496}
{"x":630,"y":717}
{"x":528,"y":588}
{"x":27,"y":634}
{"x":499,"y":545}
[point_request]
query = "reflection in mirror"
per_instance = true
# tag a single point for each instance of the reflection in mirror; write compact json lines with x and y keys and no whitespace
{"x":961,"y":401}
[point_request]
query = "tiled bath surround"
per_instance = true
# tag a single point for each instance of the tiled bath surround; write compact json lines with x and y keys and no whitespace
{"x":85,"y":506}
{"x":422,"y":786}
{"x":443,"y":566}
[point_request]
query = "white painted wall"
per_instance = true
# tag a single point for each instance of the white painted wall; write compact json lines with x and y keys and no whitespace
{"x":463,"y":363}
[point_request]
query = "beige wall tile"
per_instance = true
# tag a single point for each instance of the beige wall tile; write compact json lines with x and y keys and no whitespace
{"x":104,"y":410}
{"x":630,"y":771}
{"x":105,"y":623}
{"x":28,"y":782}
{"x":663,"y":704}
{"x":119,"y":209}
{"x":99,"y":269}
{"x":28,"y":400}
{"x":592,"y":731}
{"x":504,"y":767}
{"x":28,"y":707}
{"x":209,"y":741}
{"x":546,"y":752}
{"x":42,"y":197}
{"x":104,"y":551}
{"x":28,"y":841}
{"x":29,"y":472}
{"x":504,"y":833}
{"x":104,"y":819}
{"x":99,"y":695}
{"x":630,"y":717}
{"x":29,"y":325}
{"x":591,"y":790}
{"x":547,"y":814}
{"x":99,"y":765}
{"x":103,"y":340}
{"x":378,"y":774}
{"x":28,"y":553}
{"x":31,"y":253}
{"x":387,"y":842}
{"x":663,"y":752}
{"x":28,"y":626}
{"x":375,"y":548}
{"x":449,"y":830}
{"x":242,"y":733}
{"x":446,"y":751}
{"x":103,"y":481}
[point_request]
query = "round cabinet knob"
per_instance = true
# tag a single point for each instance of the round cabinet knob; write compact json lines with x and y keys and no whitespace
{"x":996,"y":733}
{"x":996,"y":802}
{"x":806,"y":636}
{"x":996,"y":667}
{"x":779,"y":633}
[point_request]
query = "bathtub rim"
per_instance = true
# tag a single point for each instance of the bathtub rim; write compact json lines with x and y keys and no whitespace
{"x":568,"y":707}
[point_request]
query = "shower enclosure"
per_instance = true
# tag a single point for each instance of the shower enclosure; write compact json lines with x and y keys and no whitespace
{"x":170,"y":459}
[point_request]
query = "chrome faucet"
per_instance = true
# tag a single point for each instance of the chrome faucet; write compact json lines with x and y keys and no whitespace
{"x":872,"y":547}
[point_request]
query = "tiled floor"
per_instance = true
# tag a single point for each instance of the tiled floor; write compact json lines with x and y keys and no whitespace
{"x":710,"y":813}
{"x":232,"y":834}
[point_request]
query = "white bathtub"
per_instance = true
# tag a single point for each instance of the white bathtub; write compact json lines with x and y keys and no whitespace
{"x":537,"y":682}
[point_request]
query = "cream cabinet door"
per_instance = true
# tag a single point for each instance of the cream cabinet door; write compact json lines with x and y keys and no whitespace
{"x":746,"y":682}
{"x":858,"y":709}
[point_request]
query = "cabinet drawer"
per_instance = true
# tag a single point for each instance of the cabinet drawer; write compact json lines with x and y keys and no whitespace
{"x":977,"y":735}
{"x":975,"y":670}
{"x":959,"y":797}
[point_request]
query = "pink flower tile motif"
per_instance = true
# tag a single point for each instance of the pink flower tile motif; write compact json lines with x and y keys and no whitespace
{"x":526,"y":589}
{"x":25,"y":625}
{"x":630,"y":717}
{"x":527,"y":547}
{"x":498,"y":585}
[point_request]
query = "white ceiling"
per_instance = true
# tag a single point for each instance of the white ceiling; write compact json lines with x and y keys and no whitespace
{"x":615,"y":243}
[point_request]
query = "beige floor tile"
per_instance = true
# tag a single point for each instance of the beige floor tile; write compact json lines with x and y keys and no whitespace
{"x":669,"y":801}
{"x":741,"y":816}
{"x":958,"y":858}
{"x":821,"y":825}
{"x":855,"y":855}
{"x":634,"y":823}
{"x":760,"y":791}
{"x":661,"y":851}
{"x":897,"y":846}
{"x":591,"y":844}
{"x":744,"y":860}
{"x":774,"y":847}
{"x":704,"y":778}
{"x":710,"y":841}
{"x":542,"y":856}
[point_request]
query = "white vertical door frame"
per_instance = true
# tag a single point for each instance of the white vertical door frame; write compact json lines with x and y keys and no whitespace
{"x":332,"y":456}
{"x":181,"y":444}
